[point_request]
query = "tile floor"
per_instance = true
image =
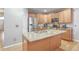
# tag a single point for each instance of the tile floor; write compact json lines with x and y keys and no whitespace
{"x":69,"y":46}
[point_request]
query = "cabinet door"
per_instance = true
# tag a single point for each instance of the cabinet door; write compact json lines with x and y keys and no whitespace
{"x":39,"y":19}
{"x":56,"y":15}
{"x":67,"y":35}
{"x":55,"y":42}
{"x":42,"y":19}
{"x":52,"y":15}
{"x":67,"y":16}
{"x":42,"y":45}
{"x":61,"y":17}
{"x":49,"y":18}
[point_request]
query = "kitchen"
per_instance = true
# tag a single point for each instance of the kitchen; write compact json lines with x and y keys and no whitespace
{"x":40,"y":29}
{"x":47,"y":27}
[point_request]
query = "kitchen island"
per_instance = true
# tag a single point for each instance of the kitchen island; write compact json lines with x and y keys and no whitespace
{"x":48,"y":40}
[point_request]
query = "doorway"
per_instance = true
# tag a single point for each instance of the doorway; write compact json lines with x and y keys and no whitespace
{"x":1,"y":27}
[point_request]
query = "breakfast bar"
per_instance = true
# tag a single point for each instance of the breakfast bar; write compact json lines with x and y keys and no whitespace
{"x":48,"y":40}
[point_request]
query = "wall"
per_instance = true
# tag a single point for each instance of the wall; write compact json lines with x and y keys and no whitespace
{"x":25,"y":21}
{"x":13,"y":17}
{"x":1,"y":24}
{"x":76,"y":24}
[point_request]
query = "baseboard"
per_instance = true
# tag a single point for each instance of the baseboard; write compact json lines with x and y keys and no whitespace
{"x":13,"y":45}
{"x":76,"y":40}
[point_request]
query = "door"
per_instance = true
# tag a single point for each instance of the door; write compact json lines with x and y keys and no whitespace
{"x":13,"y":25}
{"x":76,"y":24}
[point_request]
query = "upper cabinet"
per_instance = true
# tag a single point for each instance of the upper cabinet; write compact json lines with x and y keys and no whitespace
{"x":49,"y":18}
{"x":42,"y":19}
{"x":65,"y":16}
{"x":52,"y":15}
{"x":32,"y":15}
{"x":61,"y":17}
{"x":56,"y":15}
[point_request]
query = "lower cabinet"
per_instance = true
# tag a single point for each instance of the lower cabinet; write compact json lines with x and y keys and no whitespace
{"x":67,"y":35}
{"x":47,"y":44}
{"x":41,"y":45}
{"x":55,"y":42}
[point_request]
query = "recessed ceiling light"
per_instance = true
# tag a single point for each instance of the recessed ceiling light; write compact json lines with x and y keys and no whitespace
{"x":45,"y":10}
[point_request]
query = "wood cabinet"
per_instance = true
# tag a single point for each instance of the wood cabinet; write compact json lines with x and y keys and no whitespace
{"x":56,"y":15}
{"x":55,"y":42}
{"x":67,"y":35}
{"x":32,"y":15}
{"x":41,"y":18}
{"x":41,"y":45}
{"x":45,"y":18}
{"x":49,"y":18}
{"x":65,"y":16}
{"x":52,"y":15}
{"x":46,"y":44}
{"x":61,"y":17}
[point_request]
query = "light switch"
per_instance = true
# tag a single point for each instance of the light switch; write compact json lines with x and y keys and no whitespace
{"x":75,"y":25}
{"x":17,"y":25}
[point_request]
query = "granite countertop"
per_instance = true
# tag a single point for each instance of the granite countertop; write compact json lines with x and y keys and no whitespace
{"x":33,"y":36}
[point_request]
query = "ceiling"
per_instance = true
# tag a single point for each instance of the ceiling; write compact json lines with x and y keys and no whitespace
{"x":45,"y":10}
